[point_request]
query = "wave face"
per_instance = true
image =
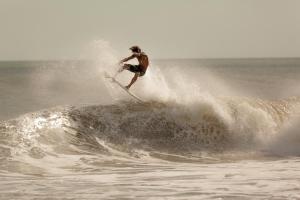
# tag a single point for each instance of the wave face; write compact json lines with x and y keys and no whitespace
{"x":178,"y":128}
{"x":128,"y":130}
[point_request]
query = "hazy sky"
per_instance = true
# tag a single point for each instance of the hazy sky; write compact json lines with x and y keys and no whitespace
{"x":51,"y":29}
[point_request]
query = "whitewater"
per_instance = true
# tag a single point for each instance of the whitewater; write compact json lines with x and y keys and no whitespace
{"x":208,"y":129}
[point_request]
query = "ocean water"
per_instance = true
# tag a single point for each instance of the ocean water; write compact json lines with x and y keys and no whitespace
{"x":208,"y":129}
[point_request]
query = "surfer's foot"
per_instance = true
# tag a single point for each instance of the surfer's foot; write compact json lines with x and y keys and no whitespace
{"x":127,"y":87}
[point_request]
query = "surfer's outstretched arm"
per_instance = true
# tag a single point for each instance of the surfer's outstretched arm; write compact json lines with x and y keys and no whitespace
{"x":133,"y":80}
{"x":124,"y":66}
{"x":126,"y":59}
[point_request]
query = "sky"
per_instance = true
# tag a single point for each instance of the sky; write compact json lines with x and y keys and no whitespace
{"x":62,"y":29}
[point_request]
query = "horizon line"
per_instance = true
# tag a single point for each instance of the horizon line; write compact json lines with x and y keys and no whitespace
{"x":170,"y":58}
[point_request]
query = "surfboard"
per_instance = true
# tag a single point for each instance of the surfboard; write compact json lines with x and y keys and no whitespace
{"x":121,"y":86}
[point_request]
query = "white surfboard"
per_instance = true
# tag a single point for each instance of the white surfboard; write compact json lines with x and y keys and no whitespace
{"x":121,"y":86}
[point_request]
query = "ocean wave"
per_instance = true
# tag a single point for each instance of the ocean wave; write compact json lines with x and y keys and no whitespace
{"x":226,"y":124}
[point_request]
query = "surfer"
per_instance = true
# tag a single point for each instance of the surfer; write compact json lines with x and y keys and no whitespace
{"x":138,"y":70}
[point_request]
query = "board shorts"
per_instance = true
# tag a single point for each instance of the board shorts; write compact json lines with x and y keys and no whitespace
{"x":136,"y":69}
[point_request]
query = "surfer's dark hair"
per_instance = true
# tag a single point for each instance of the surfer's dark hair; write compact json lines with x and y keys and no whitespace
{"x":135,"y":49}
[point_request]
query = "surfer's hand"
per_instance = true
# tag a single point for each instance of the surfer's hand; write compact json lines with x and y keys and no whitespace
{"x":120,"y":70}
{"x":127,"y":87}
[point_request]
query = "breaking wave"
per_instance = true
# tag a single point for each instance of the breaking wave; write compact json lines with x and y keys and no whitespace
{"x":151,"y":130}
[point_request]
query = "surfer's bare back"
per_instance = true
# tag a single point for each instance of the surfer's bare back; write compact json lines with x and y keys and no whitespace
{"x":138,"y":70}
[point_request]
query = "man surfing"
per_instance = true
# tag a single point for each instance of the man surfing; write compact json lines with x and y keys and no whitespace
{"x":138,"y":70}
